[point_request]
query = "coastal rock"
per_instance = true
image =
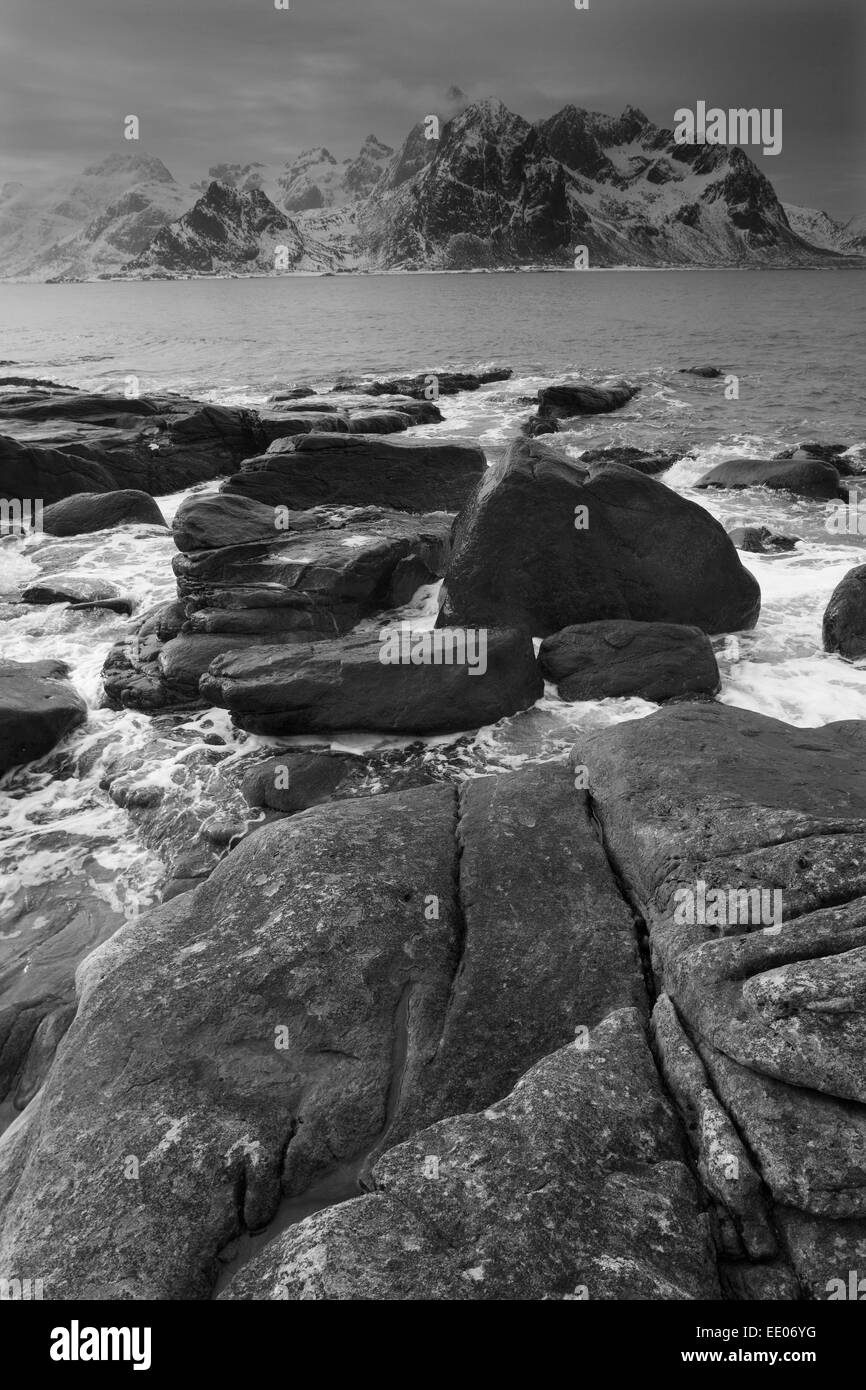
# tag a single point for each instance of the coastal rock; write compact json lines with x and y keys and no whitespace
{"x":75,"y":589}
{"x":152,"y":444}
{"x":806,"y":477}
{"x":345,"y":684}
{"x":97,"y":511}
{"x":709,"y":372}
{"x":346,"y":976}
{"x":295,"y":781}
{"x":760,"y":540}
{"x":566,"y":399}
{"x":642,"y":460}
{"x":770,"y":820}
{"x":423,"y":385}
{"x":542,"y":546}
{"x":403,"y":474}
{"x":38,"y":707}
{"x":571,"y":1187}
{"x":657,"y":661}
{"x":844,"y":622}
{"x":321,"y":578}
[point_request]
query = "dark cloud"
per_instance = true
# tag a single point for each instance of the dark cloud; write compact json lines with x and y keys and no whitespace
{"x":216,"y":80}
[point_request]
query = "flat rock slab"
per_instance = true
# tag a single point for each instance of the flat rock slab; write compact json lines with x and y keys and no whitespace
{"x":360,"y":470}
{"x":476,"y":679}
{"x":571,"y":1187}
{"x":541,"y":546}
{"x":656,"y":661}
{"x":808,"y":477}
{"x":97,"y":511}
{"x":38,"y":707}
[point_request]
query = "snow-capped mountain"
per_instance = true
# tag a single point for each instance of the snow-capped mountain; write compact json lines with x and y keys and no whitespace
{"x":816,"y":227}
{"x":229,"y":231}
{"x":498,"y":190}
{"x":488,"y":189}
{"x":316,"y":180}
{"x":108,"y":215}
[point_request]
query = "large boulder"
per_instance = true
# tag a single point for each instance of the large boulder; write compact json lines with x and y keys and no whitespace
{"x":844,"y":623}
{"x":38,"y":707}
{"x":541,"y":545}
{"x":657,"y":661}
{"x":359,"y":470}
{"x":281,"y":1028}
{"x":806,"y":477}
{"x":97,"y":511}
{"x":432,"y":682}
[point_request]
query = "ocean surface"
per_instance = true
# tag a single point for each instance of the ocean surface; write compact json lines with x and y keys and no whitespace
{"x":72,"y":863}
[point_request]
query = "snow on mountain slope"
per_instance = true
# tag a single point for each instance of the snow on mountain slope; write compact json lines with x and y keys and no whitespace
{"x":498,"y":189}
{"x":110,"y":213}
{"x":229,"y":231}
{"x":491,"y":189}
{"x":316,"y":180}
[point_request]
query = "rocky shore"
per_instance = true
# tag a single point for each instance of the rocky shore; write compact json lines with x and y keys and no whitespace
{"x":589,"y":1028}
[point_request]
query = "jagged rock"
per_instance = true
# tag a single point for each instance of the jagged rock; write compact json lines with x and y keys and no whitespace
{"x":571,"y":1187}
{"x":657,"y":661}
{"x":404,"y":474}
{"x":38,"y":707}
{"x":844,"y":622}
{"x":541,"y":546}
{"x":642,"y":460}
{"x":807,"y":477}
{"x":345,"y":684}
{"x":760,"y":540}
{"x":96,"y":511}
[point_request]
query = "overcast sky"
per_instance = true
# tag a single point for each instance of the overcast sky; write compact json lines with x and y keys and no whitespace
{"x":215,"y":80}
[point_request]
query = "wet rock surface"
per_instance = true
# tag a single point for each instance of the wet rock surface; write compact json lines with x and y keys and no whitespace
{"x":548,"y":545}
{"x":658,"y":661}
{"x":38,"y":707}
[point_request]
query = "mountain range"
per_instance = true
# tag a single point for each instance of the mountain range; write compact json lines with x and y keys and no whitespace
{"x":490,"y":189}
